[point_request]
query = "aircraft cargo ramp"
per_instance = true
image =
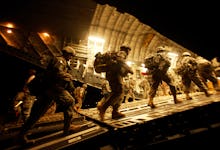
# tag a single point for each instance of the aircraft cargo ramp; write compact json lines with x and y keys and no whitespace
{"x":194,"y":121}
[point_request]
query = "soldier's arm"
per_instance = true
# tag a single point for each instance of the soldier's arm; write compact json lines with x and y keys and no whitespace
{"x":61,"y":71}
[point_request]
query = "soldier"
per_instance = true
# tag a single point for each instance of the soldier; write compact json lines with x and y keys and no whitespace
{"x":79,"y":94}
{"x":117,"y":69}
{"x":53,"y":85}
{"x":24,"y":100}
{"x":216,"y":65}
{"x":206,"y":72}
{"x":105,"y":91}
{"x":188,"y":70}
{"x":144,"y":85}
{"x":131,"y":89}
{"x":158,"y":66}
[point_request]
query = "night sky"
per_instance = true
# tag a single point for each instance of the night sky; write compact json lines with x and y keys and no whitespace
{"x":194,"y":25}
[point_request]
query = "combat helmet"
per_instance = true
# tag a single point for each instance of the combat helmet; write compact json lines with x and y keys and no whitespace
{"x":68,"y":50}
{"x":160,"y":49}
{"x":186,"y":54}
{"x":125,"y":48}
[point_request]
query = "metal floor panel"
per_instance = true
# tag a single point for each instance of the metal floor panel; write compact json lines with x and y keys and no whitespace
{"x":45,"y":121}
{"x":138,"y":112}
{"x":142,"y":125}
{"x":48,"y":134}
{"x":62,"y":142}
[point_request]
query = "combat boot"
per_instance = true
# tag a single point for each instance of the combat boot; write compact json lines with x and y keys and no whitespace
{"x":117,"y":115}
{"x":151,"y":104}
{"x":207,"y":94}
{"x":188,"y":97}
{"x":72,"y":129}
{"x":217,"y":89}
{"x":101,"y":112}
{"x":22,"y":139}
{"x":177,"y":101}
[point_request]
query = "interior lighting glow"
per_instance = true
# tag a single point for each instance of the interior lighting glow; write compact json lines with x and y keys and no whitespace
{"x":129,"y":63}
{"x":97,"y":39}
{"x":9,"y":25}
{"x":9,"y":31}
{"x":171,"y":54}
{"x":173,"y":58}
{"x":95,"y":44}
{"x":45,"y":34}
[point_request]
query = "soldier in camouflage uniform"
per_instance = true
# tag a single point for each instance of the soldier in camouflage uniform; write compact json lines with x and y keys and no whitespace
{"x":131,"y":90}
{"x":55,"y":84}
{"x":206,"y":72}
{"x":117,"y":70}
{"x":23,"y":102}
{"x":106,"y":90}
{"x":216,"y":65}
{"x":80,"y":94}
{"x":157,"y":66}
{"x":188,"y":70}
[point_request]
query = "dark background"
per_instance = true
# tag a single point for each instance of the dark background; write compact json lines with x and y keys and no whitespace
{"x":192,"y":24}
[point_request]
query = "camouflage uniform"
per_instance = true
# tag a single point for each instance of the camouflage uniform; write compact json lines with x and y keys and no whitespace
{"x":216,"y":65}
{"x":131,"y":90}
{"x":158,"y":65}
{"x":144,"y":84}
{"x":115,"y":73}
{"x":105,"y":89}
{"x":23,"y":102}
{"x":54,"y":84}
{"x":206,"y":72}
{"x":79,"y":94}
{"x":188,"y":70}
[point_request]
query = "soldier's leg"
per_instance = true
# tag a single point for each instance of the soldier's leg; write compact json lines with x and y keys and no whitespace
{"x":115,"y":112}
{"x":173,"y":91}
{"x":186,"y":87}
{"x":103,"y":104}
{"x":152,"y":92}
{"x":168,"y":80}
{"x":214,"y":81}
{"x":200,"y":84}
{"x":38,"y":109}
{"x":66,"y":101}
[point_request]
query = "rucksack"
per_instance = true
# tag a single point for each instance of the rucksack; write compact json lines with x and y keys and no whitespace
{"x":150,"y":63}
{"x":186,"y":65}
{"x":157,"y":62}
{"x":101,"y":62}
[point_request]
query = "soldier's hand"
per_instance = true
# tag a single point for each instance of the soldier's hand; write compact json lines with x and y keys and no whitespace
{"x":68,"y":77}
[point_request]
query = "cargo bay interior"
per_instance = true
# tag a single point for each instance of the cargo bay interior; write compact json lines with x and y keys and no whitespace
{"x":99,"y":28}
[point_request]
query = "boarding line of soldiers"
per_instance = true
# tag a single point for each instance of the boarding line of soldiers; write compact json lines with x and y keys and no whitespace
{"x":56,"y":84}
{"x":189,"y":70}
